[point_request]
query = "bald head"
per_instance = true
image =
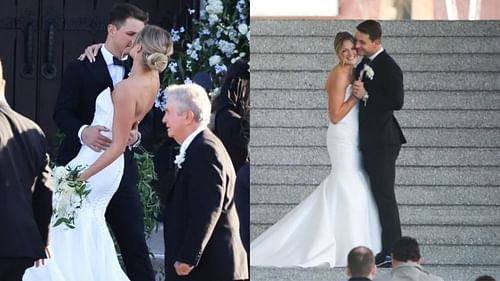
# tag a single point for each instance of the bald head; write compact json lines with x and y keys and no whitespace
{"x":361,"y":262}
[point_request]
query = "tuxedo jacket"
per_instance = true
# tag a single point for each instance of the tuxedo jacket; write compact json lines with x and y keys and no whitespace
{"x":377,"y":124}
{"x":75,"y":106}
{"x":201,"y":223}
{"x":25,"y":187}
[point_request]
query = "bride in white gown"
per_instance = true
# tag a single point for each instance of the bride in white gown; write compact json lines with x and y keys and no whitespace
{"x":341,"y":213}
{"x":87,"y":253}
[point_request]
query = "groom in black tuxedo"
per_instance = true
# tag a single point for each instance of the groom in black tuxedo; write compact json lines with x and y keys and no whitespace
{"x":379,"y":86}
{"x":202,"y":241}
{"x":74,"y":111}
{"x":26,"y":195}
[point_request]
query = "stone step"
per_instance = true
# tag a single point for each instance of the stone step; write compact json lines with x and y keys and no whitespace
{"x":409,"y":156}
{"x":441,"y":235}
{"x":390,"y":28}
{"x":459,"y":255}
{"x":404,"y":175}
{"x":405,"y":194}
{"x":426,"y":99}
{"x":402,"y":44}
{"x":447,"y":272}
{"x":415,"y":215}
{"x":407,"y":117}
{"x":315,"y":80}
{"x":156,"y":243}
{"x":416,"y":137}
{"x":408,"y":62}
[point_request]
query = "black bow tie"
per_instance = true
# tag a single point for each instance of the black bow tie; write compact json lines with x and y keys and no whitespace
{"x":365,"y":61}
{"x":117,"y":61}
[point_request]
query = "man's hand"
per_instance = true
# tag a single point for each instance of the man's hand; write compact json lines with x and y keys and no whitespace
{"x":182,"y":269}
{"x":41,"y":262}
{"x":358,"y":89}
{"x":91,"y":136}
{"x":133,"y":137}
{"x":90,"y":52}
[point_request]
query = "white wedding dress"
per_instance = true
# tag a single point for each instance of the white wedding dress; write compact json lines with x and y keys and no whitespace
{"x":336,"y":217}
{"x":87,"y":253}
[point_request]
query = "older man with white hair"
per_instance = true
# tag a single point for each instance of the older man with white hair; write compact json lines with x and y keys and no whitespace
{"x":202,"y":240}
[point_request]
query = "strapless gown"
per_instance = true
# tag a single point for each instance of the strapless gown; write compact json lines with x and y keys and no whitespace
{"x":337,"y":216}
{"x":87,"y":253}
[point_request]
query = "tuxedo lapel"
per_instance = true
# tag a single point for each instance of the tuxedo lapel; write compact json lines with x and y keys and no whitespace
{"x":100,"y":71}
{"x":188,"y":159}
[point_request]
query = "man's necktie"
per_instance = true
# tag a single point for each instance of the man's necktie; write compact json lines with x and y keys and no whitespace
{"x":117,"y":61}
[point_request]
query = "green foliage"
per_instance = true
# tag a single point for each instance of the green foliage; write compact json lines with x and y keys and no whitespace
{"x":149,"y":198}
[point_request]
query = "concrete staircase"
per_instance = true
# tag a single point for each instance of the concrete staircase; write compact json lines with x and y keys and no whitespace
{"x":448,"y":175}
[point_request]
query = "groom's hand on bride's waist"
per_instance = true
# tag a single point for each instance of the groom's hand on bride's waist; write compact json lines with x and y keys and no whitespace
{"x":92,"y":137}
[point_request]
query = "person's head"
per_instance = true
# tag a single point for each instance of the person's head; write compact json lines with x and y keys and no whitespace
{"x":152,"y":46}
{"x":235,"y":88}
{"x":361,"y":263}
{"x":125,"y":22}
{"x":344,"y":45}
{"x":485,"y":278}
{"x":406,"y":249}
{"x":188,"y":108}
{"x":368,"y":38}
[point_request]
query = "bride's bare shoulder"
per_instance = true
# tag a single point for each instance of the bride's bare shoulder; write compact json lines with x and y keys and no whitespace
{"x":338,"y":75}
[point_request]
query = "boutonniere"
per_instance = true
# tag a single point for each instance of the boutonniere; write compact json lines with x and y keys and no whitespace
{"x":179,"y":159}
{"x":369,"y":71}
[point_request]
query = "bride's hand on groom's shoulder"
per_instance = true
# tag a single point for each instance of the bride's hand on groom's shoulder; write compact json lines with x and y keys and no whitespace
{"x":90,"y":52}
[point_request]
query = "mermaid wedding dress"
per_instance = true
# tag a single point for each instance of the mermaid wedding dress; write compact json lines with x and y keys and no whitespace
{"x":336,"y":217}
{"x":87,"y":253}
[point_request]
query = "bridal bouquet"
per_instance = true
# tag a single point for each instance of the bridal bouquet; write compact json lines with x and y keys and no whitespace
{"x":69,"y":194}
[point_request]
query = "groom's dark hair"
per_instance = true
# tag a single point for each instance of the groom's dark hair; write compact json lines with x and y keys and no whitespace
{"x":372,"y":28}
{"x":122,"y":11}
{"x":360,"y":261}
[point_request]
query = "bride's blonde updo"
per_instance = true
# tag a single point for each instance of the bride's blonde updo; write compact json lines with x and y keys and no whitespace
{"x":157,"y":46}
{"x":340,"y":38}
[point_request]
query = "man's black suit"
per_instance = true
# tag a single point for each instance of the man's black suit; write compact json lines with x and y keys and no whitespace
{"x":201,"y":223}
{"x":26,"y":196}
{"x":381,"y":138}
{"x":82,"y":83}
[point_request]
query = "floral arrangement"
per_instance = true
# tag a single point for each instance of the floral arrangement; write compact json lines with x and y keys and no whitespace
{"x":70,"y":192}
{"x":221,"y":36}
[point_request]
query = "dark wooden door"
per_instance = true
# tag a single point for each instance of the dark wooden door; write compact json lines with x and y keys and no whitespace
{"x":41,"y":36}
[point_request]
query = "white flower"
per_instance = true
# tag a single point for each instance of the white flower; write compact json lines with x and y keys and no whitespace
{"x":213,"y":19}
{"x":369,"y":71}
{"x":179,"y":159}
{"x":191,"y":11}
{"x":59,"y":173}
{"x":226,"y":47}
{"x":243,"y":28}
{"x":213,"y":60}
{"x":172,"y":66}
{"x":188,"y":81}
{"x":161,"y":100}
{"x":220,"y":68}
{"x":215,"y":7}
